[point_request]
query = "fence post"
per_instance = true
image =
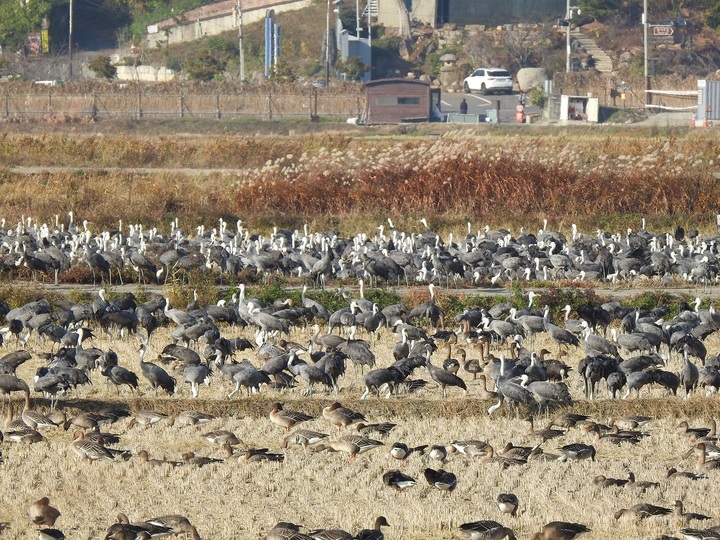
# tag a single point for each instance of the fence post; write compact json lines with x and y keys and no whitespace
{"x":94,"y":107}
{"x":49,"y":111}
{"x":7,"y":103}
{"x":139,"y":103}
{"x":269,"y":104}
{"x":217,"y":105}
{"x":182,"y":103}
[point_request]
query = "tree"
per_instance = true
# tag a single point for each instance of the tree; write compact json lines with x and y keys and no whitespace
{"x":353,"y":68}
{"x":600,"y":9}
{"x":102,"y":67}
{"x":205,"y":67}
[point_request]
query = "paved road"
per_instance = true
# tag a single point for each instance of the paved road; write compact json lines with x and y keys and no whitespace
{"x":603,"y":292}
{"x":479,"y":104}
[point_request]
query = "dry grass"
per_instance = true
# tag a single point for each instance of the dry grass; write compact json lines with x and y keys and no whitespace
{"x":342,"y":180}
{"x":236,"y":499}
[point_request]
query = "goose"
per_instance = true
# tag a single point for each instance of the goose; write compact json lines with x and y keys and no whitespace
{"x":353,"y":445}
{"x":375,"y":533}
{"x":397,"y":480}
{"x":507,"y":503}
{"x":400,"y":450}
{"x":441,"y":479}
{"x":560,"y":530}
{"x":487,"y":530}
{"x":42,"y":514}
{"x":340,"y":416}
{"x":177,"y":523}
{"x":577,"y":451}
{"x":685,"y":517}
{"x":88,"y":449}
{"x":286,"y":418}
{"x":303,"y":437}
{"x":642,"y":511}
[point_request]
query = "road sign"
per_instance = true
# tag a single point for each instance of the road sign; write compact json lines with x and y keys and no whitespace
{"x":663,"y":30}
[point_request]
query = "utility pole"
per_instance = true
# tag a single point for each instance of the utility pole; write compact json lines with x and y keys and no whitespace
{"x":70,"y":41}
{"x":240,"y":40}
{"x":327,"y":46}
{"x":645,"y":50}
{"x":568,"y":16}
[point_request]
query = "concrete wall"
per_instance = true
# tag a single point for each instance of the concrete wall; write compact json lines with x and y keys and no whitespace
{"x":145,"y":74}
{"x":464,"y":12}
{"x":218,"y":24}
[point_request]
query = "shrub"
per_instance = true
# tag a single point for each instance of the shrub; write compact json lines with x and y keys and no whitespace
{"x":102,"y":67}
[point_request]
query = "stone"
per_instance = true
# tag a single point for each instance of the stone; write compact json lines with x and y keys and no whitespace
{"x":529,"y":78}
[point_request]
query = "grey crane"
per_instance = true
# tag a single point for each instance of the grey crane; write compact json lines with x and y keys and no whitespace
{"x":560,"y":335}
{"x":267,"y":323}
{"x":636,"y":380}
{"x":547,"y":393}
{"x":181,"y":354}
{"x":635,"y":342}
{"x":376,"y":378}
{"x":443,"y":378}
{"x":358,"y":352}
{"x":196,"y":374}
{"x":118,"y":375}
{"x":250,"y":378}
{"x":309,"y":373}
{"x":510,"y":391}
{"x":689,"y":373}
{"x":156,"y":376}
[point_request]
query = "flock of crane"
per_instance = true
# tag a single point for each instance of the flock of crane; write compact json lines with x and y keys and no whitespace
{"x":483,"y":257}
{"x":629,"y":349}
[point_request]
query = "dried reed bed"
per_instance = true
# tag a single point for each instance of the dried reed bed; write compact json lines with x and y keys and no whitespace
{"x":342,"y":181}
{"x":237,"y":499}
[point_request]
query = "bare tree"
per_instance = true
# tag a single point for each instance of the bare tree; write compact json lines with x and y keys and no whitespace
{"x":525,"y":46}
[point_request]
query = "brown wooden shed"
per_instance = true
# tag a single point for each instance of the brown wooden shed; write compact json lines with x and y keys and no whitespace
{"x":394,"y":101}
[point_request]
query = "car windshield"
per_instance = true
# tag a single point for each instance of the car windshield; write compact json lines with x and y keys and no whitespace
{"x":498,"y":73}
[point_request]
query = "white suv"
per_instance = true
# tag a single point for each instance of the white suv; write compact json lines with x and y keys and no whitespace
{"x":487,"y":80}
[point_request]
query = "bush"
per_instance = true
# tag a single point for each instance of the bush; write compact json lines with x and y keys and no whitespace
{"x":102,"y":67}
{"x":205,"y":67}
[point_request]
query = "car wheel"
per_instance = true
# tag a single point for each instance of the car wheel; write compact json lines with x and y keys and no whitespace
{"x":466,"y":88}
{"x":483,"y":89}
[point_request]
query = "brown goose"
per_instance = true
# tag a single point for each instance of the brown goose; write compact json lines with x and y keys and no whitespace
{"x":340,"y":416}
{"x":42,"y":514}
{"x":543,"y":434}
{"x":88,"y":449}
{"x":353,"y":445}
{"x":603,"y":481}
{"x":189,"y":418}
{"x":145,"y":458}
{"x":177,"y":523}
{"x":375,"y":533}
{"x":199,"y":461}
{"x":303,"y":437}
{"x":487,"y":530}
{"x":383,"y":428}
{"x":146,"y":418}
{"x":285,"y":418}
{"x":642,"y":511}
{"x":222,"y":437}
{"x":684,"y":429}
{"x":560,"y":530}
{"x":642,"y":484}
{"x":491,"y":457}
{"x":679,"y":512}
{"x":34,"y":419}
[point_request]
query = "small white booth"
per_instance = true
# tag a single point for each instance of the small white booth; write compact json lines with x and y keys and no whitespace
{"x":579,"y":109}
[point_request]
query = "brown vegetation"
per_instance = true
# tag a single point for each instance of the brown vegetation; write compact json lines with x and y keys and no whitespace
{"x":595,"y":179}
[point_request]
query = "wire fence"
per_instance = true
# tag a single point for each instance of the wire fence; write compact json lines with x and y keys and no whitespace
{"x":144,"y":102}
